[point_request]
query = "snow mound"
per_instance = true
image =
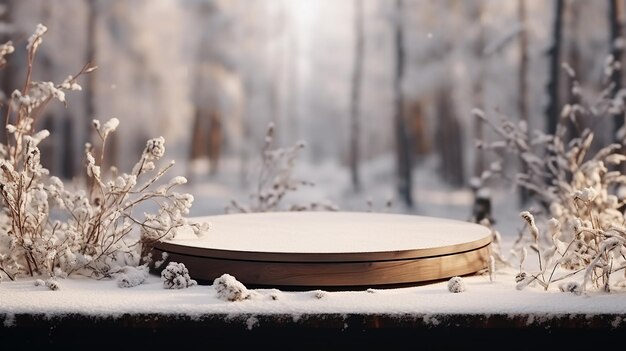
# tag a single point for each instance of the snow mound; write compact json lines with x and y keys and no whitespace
{"x":456,"y":285}
{"x":228,"y":288}
{"x":129,"y":276}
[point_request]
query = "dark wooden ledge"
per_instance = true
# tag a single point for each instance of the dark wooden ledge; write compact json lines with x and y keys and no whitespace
{"x":314,"y":331}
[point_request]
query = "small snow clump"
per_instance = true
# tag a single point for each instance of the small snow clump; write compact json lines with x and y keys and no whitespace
{"x":158,"y":263}
{"x":132,"y":276}
{"x":275,"y":294}
{"x":456,"y":285}
{"x":252,"y":322}
{"x":320,"y":294}
{"x":52,"y":284}
{"x":572,"y":287}
{"x":228,"y":288}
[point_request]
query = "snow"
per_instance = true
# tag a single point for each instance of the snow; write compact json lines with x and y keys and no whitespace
{"x":103,"y":298}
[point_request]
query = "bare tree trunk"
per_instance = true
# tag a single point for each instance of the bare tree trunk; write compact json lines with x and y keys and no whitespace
{"x":90,"y":91}
{"x":67,"y":148}
{"x":616,"y":18}
{"x":8,"y":71}
{"x":403,"y":142}
{"x":449,"y":138}
{"x":616,"y":22}
{"x":90,"y":85}
{"x":522,"y":95}
{"x":215,"y":141}
{"x":573,"y":59}
{"x":479,"y":83}
{"x":554,"y":56}
{"x":276,"y":61}
{"x":49,"y":147}
{"x":293,"y":83}
{"x":355,"y":123}
{"x":198,"y":135}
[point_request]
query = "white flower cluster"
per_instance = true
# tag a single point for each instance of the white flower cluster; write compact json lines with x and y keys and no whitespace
{"x":47,"y":229}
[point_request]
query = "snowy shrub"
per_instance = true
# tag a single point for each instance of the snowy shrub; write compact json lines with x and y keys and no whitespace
{"x":578,"y":189}
{"x":456,"y":285}
{"x":592,"y":255}
{"x":39,"y":282}
{"x":49,"y":229}
{"x":130,"y":276}
{"x":230,"y":289}
{"x":276,"y":180}
{"x":176,"y":276}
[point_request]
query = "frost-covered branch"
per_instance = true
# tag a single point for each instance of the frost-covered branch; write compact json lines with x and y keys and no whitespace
{"x":276,"y":180}
{"x":578,"y":189}
{"x":50,"y":230}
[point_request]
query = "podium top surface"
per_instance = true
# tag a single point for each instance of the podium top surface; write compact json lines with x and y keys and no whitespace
{"x":298,"y":234}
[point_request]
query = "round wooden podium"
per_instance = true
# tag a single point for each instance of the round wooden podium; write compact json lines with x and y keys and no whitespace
{"x":330,"y":249}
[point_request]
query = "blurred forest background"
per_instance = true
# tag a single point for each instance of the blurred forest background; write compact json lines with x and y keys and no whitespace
{"x":381,"y":91}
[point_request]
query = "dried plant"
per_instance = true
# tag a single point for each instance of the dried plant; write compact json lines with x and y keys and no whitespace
{"x":51,"y":230}
{"x":578,"y":190}
{"x":276,"y":180}
{"x":589,"y":259}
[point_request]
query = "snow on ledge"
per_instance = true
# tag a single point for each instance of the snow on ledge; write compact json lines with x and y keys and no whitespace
{"x":103,"y":298}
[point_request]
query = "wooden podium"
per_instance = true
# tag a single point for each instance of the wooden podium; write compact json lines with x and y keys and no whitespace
{"x":330,"y":249}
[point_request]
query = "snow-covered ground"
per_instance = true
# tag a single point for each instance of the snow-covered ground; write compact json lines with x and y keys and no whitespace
{"x":103,"y":297}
